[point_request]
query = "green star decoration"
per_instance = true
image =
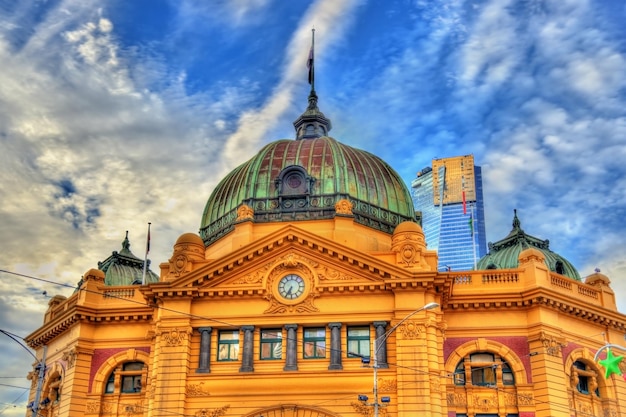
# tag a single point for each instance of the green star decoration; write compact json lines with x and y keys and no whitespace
{"x":611,"y":364}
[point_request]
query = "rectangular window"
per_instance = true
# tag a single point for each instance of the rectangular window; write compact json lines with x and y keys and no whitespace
{"x":483,"y":376}
{"x":131,"y":383}
{"x":271,"y":344}
{"x":358,"y":341}
{"x":314,"y":343}
{"x":228,"y":345}
{"x":483,"y":369}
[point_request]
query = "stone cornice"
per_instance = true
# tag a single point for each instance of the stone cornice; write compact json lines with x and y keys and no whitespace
{"x":290,"y":238}
{"x":80,"y":314}
{"x":539,"y":298}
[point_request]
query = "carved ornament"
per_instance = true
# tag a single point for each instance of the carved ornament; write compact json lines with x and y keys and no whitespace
{"x":344,"y":206}
{"x":196,"y":390}
{"x":245,"y":212}
{"x":173,"y":337}
{"x":217,"y":412}
{"x":552,"y":344}
{"x":411,"y":330}
{"x":484,"y":402}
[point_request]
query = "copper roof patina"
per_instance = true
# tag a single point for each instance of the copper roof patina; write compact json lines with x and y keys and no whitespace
{"x":303,"y":179}
{"x":504,"y":253}
{"x":124,"y":268}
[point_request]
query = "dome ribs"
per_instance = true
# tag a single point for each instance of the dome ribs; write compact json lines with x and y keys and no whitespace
{"x":333,"y":171}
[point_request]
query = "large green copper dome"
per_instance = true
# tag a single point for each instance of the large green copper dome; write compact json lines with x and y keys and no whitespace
{"x":303,"y":179}
{"x":504,"y":254}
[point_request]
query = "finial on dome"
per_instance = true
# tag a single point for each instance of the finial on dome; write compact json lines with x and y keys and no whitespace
{"x":126,"y":243}
{"x":312,"y":123}
{"x":516,"y":223}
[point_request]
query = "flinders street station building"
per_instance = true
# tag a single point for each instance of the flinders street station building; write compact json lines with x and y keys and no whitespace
{"x":308,"y":291}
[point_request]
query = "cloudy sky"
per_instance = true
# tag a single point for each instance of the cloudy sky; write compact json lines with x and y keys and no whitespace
{"x":119,"y":113}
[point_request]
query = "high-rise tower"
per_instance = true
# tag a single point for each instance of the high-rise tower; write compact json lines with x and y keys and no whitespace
{"x":450,"y":197}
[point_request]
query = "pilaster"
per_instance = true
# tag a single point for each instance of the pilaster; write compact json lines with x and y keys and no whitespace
{"x":549,"y":382}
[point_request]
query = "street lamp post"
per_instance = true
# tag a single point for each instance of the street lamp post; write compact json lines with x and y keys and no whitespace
{"x":41,"y":370}
{"x":380,"y":342}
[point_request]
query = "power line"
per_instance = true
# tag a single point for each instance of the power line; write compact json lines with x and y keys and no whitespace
{"x":195,"y":316}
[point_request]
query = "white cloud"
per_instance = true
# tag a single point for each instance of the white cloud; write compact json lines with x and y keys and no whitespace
{"x":327,"y":16}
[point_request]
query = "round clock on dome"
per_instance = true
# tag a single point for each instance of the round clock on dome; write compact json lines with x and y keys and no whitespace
{"x":291,"y":286}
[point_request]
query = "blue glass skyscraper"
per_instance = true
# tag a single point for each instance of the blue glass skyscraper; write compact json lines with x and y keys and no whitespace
{"x":450,"y":198}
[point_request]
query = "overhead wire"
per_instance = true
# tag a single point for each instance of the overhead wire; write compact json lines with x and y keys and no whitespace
{"x":222,"y":322}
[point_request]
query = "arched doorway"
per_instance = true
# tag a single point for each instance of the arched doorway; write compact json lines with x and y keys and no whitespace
{"x":292,"y":410}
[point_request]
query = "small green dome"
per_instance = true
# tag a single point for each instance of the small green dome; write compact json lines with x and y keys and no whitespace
{"x":124,"y":268}
{"x":303,"y":179}
{"x":504,"y":254}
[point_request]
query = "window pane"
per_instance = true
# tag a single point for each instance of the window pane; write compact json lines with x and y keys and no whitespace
{"x":133,"y":366}
{"x":271,"y":344}
{"x":228,"y":345}
{"x":359,"y":341}
{"x":459,"y":374}
{"x":110,"y":384}
{"x":314,"y":333}
{"x":483,"y":376}
{"x":131,"y":383}
{"x":314,"y":343}
{"x":481,"y":357}
{"x":229,"y":335}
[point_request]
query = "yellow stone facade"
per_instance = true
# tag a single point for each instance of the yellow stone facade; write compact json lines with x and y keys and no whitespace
{"x":226,"y":333}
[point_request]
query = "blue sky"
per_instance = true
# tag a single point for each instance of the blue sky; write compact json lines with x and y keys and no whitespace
{"x":119,"y":113}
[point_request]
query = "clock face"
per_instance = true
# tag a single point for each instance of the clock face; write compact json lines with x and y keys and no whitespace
{"x":291,"y":286}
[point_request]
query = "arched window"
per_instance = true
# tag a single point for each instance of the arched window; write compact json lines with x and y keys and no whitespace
{"x":559,"y":268}
{"x":483,"y":369}
{"x":130,"y":377}
{"x":584,"y":380}
{"x":293,"y":180}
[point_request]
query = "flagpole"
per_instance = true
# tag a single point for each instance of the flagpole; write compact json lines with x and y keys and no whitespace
{"x":311,"y":63}
{"x":145,"y":261}
{"x":472,"y":231}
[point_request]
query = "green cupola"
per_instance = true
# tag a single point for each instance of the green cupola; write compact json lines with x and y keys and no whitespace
{"x":504,"y":253}
{"x":124,"y":268}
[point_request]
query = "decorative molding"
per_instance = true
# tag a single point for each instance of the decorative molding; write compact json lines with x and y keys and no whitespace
{"x":344,"y":207}
{"x":92,"y":407}
{"x":245,"y":212}
{"x":306,"y":306}
{"x":456,"y":399}
{"x":525,"y":398}
{"x":196,"y":390}
{"x":485,"y":402}
{"x":367,"y":410}
{"x":552,"y":344}
{"x":217,"y":412}
{"x":69,"y":356}
{"x":173,"y":337}
{"x":330,"y":274}
{"x":292,"y":263}
{"x":129,"y":409}
{"x":387,"y":385}
{"x":255,"y":277}
{"x":411,"y":330}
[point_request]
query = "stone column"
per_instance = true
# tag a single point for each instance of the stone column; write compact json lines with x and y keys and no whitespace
{"x":204,"y":363}
{"x":291,"y":363}
{"x":335,"y":346}
{"x":380,"y":346}
{"x":248,"y":349}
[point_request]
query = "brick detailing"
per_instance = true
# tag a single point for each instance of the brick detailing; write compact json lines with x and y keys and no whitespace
{"x":100,"y":356}
{"x":518,"y":344}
